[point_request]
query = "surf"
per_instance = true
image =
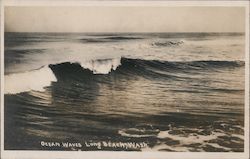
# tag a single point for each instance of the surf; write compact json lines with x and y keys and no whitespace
{"x":39,"y":79}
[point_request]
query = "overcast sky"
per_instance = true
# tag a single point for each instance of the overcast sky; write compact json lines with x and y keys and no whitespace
{"x":124,"y":19}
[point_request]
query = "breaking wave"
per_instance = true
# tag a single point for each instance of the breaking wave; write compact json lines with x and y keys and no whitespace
{"x":40,"y":78}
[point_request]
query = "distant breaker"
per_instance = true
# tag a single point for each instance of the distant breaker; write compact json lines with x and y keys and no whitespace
{"x":167,"y":43}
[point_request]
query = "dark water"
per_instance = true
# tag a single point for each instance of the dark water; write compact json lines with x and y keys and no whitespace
{"x":124,"y":92}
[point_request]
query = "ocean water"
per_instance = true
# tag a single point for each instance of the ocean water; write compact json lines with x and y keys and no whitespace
{"x":124,"y":91}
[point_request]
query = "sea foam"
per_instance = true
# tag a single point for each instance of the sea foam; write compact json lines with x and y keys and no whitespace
{"x":35,"y":80}
{"x":101,"y":66}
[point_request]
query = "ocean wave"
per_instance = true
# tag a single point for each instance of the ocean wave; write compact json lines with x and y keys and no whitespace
{"x":40,"y":78}
{"x":175,"y":65}
{"x":139,"y":67}
{"x":109,"y":39}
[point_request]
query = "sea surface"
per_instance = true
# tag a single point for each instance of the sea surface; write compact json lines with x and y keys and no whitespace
{"x":124,"y":91}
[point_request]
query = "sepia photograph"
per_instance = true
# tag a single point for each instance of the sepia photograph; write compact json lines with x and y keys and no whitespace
{"x":126,"y":78}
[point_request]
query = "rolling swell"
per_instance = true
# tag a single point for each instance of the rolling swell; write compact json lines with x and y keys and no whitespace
{"x":142,"y":67}
{"x":109,"y":39}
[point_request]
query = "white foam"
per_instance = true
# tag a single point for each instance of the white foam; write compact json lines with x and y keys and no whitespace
{"x":149,"y":134}
{"x":191,"y":138}
{"x":238,"y":136}
{"x":215,"y":145}
{"x":101,"y":66}
{"x":186,"y":140}
{"x":164,"y":147}
{"x":122,"y":133}
{"x":35,"y":80}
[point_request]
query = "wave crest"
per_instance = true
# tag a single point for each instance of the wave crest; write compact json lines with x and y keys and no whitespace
{"x":35,"y":80}
{"x":101,"y":66}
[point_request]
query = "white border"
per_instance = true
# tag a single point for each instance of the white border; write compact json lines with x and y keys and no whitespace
{"x":6,"y":154}
{"x":123,"y":3}
{"x":2,"y":74}
{"x":247,"y":34}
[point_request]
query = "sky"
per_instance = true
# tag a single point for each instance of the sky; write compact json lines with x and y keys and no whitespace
{"x":124,"y":19}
